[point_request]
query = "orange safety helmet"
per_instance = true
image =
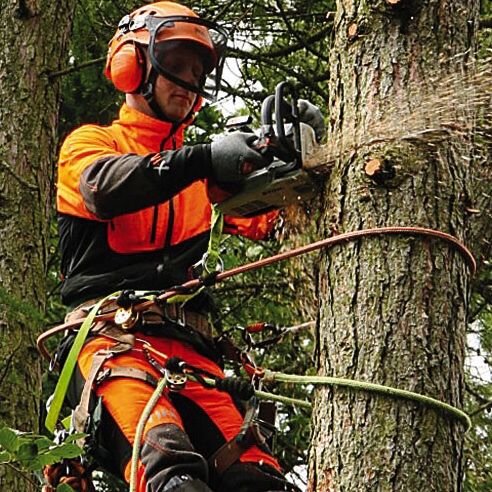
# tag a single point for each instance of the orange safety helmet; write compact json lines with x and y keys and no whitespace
{"x":152,"y":25}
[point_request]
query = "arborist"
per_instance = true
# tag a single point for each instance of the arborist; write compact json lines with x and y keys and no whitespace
{"x":134,"y":214}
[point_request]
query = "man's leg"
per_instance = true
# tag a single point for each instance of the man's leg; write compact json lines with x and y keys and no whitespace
{"x":167,"y":461}
{"x":211,"y":419}
{"x":167,"y":457}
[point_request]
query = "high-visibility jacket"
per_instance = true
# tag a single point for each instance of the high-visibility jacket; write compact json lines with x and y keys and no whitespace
{"x":133,"y":209}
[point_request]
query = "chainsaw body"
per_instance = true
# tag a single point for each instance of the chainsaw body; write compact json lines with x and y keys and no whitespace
{"x":286,"y":144}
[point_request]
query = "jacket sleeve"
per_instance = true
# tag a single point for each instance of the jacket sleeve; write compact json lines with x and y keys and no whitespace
{"x":96,"y":181}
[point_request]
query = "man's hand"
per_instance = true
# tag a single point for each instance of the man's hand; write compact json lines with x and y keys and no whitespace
{"x":311,"y":115}
{"x":233,"y":158}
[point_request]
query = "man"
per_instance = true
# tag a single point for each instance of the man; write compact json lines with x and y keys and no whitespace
{"x":134,"y":214}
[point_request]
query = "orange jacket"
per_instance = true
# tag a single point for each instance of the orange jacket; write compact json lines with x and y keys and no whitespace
{"x":130,"y":218}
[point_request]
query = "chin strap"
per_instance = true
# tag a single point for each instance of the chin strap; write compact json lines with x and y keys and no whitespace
{"x":147,"y":91}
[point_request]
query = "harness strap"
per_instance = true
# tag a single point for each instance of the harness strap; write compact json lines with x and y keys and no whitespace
{"x":115,"y":333}
{"x":80,"y":415}
{"x":69,"y":366}
{"x":125,"y":342}
{"x":126,"y":372}
{"x":232,"y":450}
{"x":211,"y":262}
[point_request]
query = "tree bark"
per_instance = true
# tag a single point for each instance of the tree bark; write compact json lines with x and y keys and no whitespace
{"x":393,"y":310}
{"x":33,"y":38}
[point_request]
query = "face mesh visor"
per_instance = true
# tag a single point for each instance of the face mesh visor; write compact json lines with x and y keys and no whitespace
{"x":205,"y":38}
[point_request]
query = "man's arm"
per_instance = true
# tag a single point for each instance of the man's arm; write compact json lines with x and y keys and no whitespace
{"x":96,"y":181}
{"x":116,"y":185}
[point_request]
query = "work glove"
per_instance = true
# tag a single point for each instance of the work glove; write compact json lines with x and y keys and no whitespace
{"x":233,"y":158}
{"x":311,"y":115}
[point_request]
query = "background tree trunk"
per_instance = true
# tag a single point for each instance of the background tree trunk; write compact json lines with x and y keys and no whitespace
{"x":33,"y":37}
{"x":393,"y":310}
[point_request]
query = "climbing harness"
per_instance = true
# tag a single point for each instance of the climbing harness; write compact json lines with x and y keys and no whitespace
{"x":123,"y":317}
{"x":215,"y":277}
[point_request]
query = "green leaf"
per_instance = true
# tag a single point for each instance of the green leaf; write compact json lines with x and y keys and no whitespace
{"x":34,"y":464}
{"x":66,"y":450}
{"x":27,"y":451}
{"x":47,"y":459}
{"x":64,"y":488}
{"x":5,"y":457}
{"x":75,"y":437}
{"x":43,"y":443}
{"x":9,"y":440}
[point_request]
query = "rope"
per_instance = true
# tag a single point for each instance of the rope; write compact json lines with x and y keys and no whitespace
{"x":191,"y":285}
{"x":270,"y":376}
{"x":139,"y":431}
{"x":350,"y":236}
{"x":371,"y":388}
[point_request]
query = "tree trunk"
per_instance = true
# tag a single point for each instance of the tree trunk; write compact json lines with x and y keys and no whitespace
{"x":393,"y":309}
{"x":33,"y":39}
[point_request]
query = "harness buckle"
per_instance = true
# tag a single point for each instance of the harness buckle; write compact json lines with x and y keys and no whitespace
{"x":175,"y":314}
{"x":102,"y":375}
{"x":126,"y":318}
{"x":175,"y":381}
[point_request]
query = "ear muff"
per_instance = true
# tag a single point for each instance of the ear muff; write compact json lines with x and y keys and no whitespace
{"x":127,"y":68}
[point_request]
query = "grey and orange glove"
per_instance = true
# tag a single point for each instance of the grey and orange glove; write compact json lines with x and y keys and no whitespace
{"x":311,"y":115}
{"x":233,"y":158}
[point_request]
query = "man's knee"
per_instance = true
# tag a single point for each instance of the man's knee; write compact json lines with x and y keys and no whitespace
{"x":167,"y":453}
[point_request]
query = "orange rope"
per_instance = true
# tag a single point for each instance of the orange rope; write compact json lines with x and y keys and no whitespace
{"x":324,"y":243}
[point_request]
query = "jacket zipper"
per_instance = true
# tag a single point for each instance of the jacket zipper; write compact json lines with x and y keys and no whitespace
{"x":153,"y":231}
{"x":170,"y":223}
{"x":170,"y":217}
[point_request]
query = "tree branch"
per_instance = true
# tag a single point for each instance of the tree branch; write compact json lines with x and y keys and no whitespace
{"x":303,"y":80}
{"x":481,"y":409}
{"x":29,"y":186}
{"x":485,"y":22}
{"x":76,"y":67}
{"x":288,"y":50}
{"x":303,"y":42}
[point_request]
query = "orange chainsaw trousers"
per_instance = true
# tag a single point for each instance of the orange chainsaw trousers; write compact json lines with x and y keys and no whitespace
{"x":184,"y":428}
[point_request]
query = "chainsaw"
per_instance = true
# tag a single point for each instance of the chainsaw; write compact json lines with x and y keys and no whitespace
{"x":285,"y":144}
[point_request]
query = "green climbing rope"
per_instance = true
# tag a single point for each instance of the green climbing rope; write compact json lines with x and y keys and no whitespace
{"x":270,"y":376}
{"x":372,"y":388}
{"x":140,"y":428}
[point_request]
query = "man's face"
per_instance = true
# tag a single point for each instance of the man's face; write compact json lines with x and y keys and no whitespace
{"x":185,"y":63}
